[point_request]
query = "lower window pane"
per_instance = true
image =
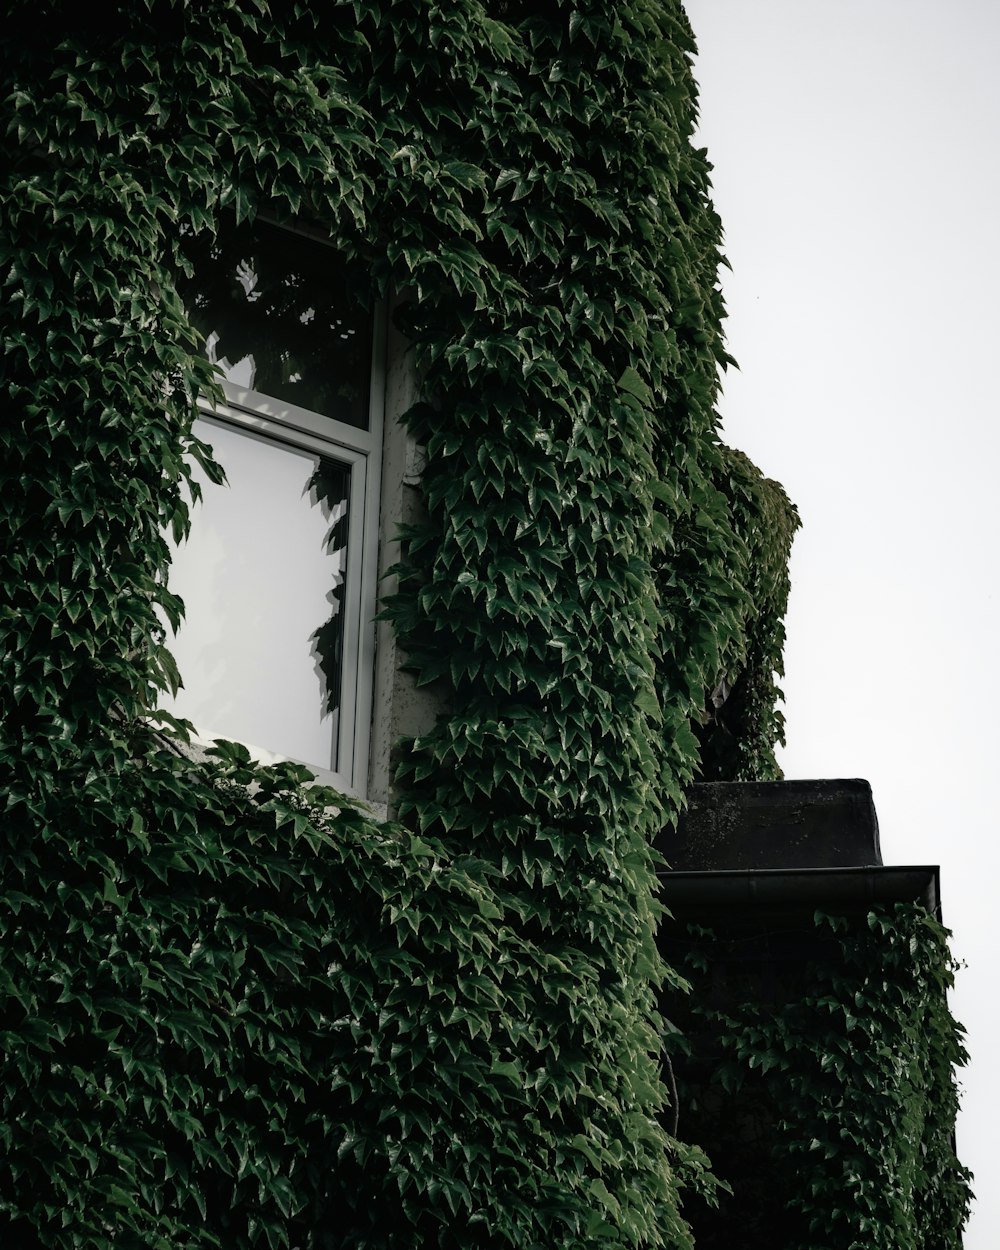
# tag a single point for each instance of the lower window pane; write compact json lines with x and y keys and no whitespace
{"x":262,"y":577}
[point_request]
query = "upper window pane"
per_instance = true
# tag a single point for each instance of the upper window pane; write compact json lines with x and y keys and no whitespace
{"x":278,"y":319}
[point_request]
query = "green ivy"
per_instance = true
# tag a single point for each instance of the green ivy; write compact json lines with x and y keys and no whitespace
{"x":284,"y":1028}
{"x":845,"y":1065}
{"x":237,"y":1011}
{"x":742,"y":724}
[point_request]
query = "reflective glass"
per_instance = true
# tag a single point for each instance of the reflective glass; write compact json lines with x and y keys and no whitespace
{"x":278,"y":318}
{"x":262,"y":578}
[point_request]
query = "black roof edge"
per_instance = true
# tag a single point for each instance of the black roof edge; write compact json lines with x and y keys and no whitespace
{"x":802,"y":887}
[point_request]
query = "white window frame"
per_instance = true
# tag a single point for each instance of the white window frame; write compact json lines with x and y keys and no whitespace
{"x":277,"y":420}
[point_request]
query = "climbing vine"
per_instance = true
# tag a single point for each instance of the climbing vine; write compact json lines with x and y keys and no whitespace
{"x":237,"y":1011}
{"x":825,"y":1077}
{"x":742,"y":723}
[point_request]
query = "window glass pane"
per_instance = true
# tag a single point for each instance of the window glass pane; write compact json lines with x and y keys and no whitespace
{"x":278,"y":318}
{"x":262,"y":578}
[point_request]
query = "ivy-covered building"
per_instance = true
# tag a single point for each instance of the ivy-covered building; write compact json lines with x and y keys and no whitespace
{"x":434,"y":288}
{"x":814,"y":1056}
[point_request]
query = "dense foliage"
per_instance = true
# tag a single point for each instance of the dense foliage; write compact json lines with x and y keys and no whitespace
{"x":821,"y":1065}
{"x":742,"y":724}
{"x":233,"y":1017}
{"x":236,"y":1011}
{"x":526,"y":178}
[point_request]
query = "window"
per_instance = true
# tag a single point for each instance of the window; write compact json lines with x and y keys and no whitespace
{"x":278,"y":574}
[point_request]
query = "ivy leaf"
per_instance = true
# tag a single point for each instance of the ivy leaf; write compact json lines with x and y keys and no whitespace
{"x":632,"y":383}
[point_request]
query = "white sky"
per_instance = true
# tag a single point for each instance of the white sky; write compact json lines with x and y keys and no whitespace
{"x":856,"y":148}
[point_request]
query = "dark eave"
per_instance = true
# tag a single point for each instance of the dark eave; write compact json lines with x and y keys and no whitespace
{"x":791,"y":891}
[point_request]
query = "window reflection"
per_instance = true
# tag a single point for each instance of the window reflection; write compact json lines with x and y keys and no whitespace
{"x":261,"y":649}
{"x":279,"y":318}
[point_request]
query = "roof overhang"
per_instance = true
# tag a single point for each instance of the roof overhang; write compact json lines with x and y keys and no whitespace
{"x":791,"y":890}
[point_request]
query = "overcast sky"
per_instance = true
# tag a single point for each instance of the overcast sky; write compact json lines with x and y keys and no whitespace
{"x":856,"y":148}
